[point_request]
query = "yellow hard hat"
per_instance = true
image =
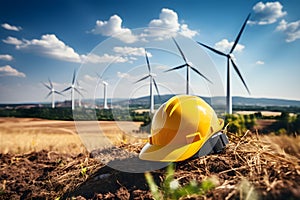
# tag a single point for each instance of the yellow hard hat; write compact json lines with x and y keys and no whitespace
{"x":180,"y":127}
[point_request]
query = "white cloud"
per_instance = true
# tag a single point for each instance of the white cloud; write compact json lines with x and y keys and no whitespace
{"x":131,"y":51}
{"x":260,"y":62}
{"x":185,"y":31}
{"x":11,"y":27}
{"x":161,"y":67}
{"x":267,"y":13}
{"x":13,"y":41}
{"x":123,"y":75}
{"x":89,"y":78}
{"x":132,"y":58}
{"x":113,"y":28}
{"x":292,"y":30}
{"x":106,"y":58}
{"x":224,"y":46}
{"x":49,"y":45}
{"x":6,"y":57}
{"x":167,"y":21}
{"x":167,"y":25}
{"x":7,"y":70}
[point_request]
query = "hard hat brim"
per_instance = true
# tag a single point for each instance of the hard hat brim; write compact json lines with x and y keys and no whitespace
{"x":171,"y":152}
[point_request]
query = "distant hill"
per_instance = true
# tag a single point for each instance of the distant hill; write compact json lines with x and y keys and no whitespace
{"x":237,"y":101}
{"x":144,"y":101}
{"x":245,"y":101}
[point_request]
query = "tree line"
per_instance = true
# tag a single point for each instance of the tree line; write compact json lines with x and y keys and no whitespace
{"x":78,"y":114}
{"x":286,"y":123}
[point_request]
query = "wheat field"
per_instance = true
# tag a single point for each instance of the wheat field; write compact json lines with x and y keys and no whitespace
{"x":22,"y":135}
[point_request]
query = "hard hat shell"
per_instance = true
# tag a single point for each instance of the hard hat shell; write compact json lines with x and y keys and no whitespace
{"x":179,"y":129}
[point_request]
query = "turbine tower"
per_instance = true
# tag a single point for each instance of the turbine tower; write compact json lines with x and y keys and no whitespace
{"x":230,"y":60}
{"x":52,"y":92}
{"x":188,"y":66}
{"x":105,"y":94}
{"x":80,"y":89}
{"x":73,"y":88}
{"x":152,"y":81}
{"x":105,"y":84}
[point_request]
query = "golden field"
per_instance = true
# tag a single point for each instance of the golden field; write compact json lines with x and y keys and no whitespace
{"x":22,"y":135}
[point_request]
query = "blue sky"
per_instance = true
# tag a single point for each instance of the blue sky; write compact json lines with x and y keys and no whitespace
{"x":49,"y":39}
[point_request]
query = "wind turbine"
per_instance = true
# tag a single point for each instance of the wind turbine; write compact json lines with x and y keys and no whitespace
{"x":80,"y":89}
{"x":230,"y":59}
{"x":52,"y":92}
{"x":73,"y":88}
{"x":188,"y":66}
{"x":105,"y":84}
{"x":152,"y":81}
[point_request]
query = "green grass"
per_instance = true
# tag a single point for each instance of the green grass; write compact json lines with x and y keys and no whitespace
{"x":170,"y":188}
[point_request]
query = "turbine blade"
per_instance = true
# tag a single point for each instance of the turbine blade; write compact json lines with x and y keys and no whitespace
{"x":240,"y":75}
{"x":99,"y":80}
{"x":179,"y":50}
{"x":74,"y":76}
{"x":78,"y":92}
{"x":59,"y":93}
{"x":212,"y":49}
{"x":68,"y":88}
{"x":147,"y":59}
{"x":51,"y":85}
{"x":98,"y":75}
{"x":82,"y":89}
{"x":175,"y":68}
{"x":47,"y":86}
{"x":240,"y":33}
{"x":48,"y":94}
{"x":156,"y":87}
{"x":142,"y":79}
{"x":195,"y":70}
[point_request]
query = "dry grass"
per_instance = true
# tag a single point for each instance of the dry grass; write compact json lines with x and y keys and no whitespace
{"x":250,"y":167}
{"x":23,"y":135}
{"x":264,"y":113}
{"x":15,"y":142}
{"x":283,"y":144}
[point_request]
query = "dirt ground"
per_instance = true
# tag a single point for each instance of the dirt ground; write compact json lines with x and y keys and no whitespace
{"x":251,"y":166}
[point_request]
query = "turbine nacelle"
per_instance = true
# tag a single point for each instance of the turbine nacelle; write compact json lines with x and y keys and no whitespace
{"x":152,"y":75}
{"x":189,"y":64}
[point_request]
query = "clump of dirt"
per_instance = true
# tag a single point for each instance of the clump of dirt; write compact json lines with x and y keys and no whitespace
{"x":49,"y":175}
